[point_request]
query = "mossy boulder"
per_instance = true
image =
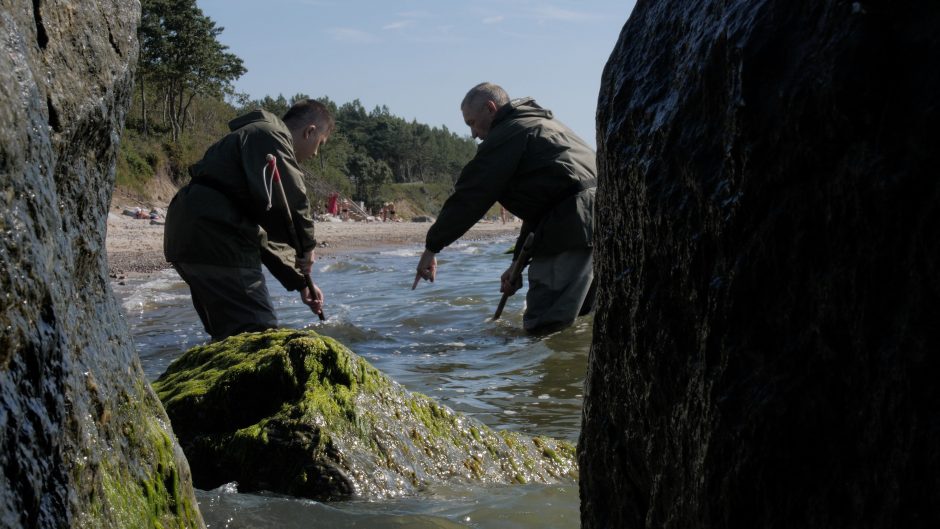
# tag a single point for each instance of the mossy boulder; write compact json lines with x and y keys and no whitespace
{"x":298,"y":413}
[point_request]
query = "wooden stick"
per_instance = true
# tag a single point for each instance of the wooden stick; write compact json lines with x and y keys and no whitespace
{"x":515,"y":272}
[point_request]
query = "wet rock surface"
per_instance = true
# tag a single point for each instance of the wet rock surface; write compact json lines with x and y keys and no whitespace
{"x":765,"y":346}
{"x":298,"y":413}
{"x":84,"y":441}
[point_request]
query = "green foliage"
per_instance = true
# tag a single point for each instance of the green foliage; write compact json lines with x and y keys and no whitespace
{"x":179,"y":108}
{"x":182,"y":58}
{"x":424,"y":199}
{"x":327,"y":173}
{"x":133,"y":172}
{"x":137,"y":163}
{"x":368,"y":176}
{"x":413,"y":152}
{"x":277,"y":106}
{"x":209,"y":118}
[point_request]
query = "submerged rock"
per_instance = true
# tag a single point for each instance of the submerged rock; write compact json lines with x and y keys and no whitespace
{"x":766,"y":342}
{"x":298,"y":413}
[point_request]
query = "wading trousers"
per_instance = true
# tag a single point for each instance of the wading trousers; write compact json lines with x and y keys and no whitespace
{"x":561,"y":288}
{"x":228,"y":300}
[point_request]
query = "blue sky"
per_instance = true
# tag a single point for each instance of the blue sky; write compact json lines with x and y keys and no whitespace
{"x":419,"y":57}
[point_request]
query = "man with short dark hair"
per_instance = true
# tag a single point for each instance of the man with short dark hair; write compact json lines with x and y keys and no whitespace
{"x":228,"y":220}
{"x":541,"y":172}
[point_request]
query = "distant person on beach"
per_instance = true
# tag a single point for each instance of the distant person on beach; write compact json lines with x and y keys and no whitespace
{"x":541,"y":172}
{"x":332,"y":208}
{"x":227,"y":221}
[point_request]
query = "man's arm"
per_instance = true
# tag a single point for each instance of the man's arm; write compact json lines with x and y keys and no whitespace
{"x":481,"y":183}
{"x":254,"y":158}
{"x":292,"y":177}
{"x":277,"y":258}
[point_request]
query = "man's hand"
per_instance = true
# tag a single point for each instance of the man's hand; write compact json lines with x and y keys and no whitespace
{"x":305,"y":263}
{"x":427,"y":268}
{"x":314,"y":299}
{"x":505,"y":285}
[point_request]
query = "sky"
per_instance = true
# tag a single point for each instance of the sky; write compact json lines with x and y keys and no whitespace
{"x":419,"y":57}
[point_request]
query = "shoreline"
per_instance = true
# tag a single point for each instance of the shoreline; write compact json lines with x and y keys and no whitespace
{"x":135,"y":246}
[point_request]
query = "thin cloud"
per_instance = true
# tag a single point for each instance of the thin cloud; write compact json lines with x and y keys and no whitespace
{"x":440,"y":35}
{"x":494,"y":20}
{"x":399,"y":24}
{"x":551,"y":13}
{"x":353,"y":36}
{"x":517,"y":35}
{"x":415,"y":14}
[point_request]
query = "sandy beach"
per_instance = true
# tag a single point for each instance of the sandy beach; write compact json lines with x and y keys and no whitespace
{"x":135,"y":246}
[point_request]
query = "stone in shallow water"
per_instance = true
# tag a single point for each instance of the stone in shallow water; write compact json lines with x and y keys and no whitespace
{"x":298,"y":413}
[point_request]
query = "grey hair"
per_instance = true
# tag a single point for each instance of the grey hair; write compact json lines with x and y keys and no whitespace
{"x":483,"y":92}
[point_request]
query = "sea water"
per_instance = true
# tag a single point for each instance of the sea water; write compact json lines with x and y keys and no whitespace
{"x":438,"y":340}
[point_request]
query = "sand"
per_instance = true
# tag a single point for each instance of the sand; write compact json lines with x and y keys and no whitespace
{"x":135,"y":246}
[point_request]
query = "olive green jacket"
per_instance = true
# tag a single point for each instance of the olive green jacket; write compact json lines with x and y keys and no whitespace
{"x":538,"y":169}
{"x":222,"y":218}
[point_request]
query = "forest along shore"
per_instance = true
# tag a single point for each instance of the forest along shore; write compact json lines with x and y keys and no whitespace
{"x":135,"y":246}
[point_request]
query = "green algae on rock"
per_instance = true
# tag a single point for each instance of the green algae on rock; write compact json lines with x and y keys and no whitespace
{"x":298,"y":413}
{"x":84,"y":441}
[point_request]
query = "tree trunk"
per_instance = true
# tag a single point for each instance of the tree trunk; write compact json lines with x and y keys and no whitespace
{"x":184,"y":112}
{"x":143,"y":106}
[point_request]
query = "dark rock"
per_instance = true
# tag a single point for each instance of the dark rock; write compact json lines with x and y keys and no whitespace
{"x":84,"y":441}
{"x":765,"y":345}
{"x":297,"y":413}
{"x":422,"y":218}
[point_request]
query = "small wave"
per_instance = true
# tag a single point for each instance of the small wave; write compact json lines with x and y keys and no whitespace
{"x":403,"y":252}
{"x":166,"y":288}
{"x":346,"y":266}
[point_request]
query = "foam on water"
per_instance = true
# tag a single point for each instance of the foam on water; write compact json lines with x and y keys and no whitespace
{"x":514,"y":507}
{"x":403,"y":252}
{"x":162,"y":289}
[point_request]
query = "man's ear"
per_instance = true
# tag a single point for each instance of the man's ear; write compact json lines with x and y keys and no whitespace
{"x":491,"y":106}
{"x":310,"y":129}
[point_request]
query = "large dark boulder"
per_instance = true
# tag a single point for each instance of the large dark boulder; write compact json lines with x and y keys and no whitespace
{"x":766,"y":346}
{"x":83,"y":440}
{"x":298,"y":413}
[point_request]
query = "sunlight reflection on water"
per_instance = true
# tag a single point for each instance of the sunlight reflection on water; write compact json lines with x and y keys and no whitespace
{"x":437,"y":340}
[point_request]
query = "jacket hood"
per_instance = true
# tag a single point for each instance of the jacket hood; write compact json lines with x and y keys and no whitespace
{"x":524,"y":107}
{"x":252,"y":117}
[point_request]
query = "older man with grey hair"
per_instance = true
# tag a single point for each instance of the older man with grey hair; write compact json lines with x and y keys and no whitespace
{"x":541,"y":172}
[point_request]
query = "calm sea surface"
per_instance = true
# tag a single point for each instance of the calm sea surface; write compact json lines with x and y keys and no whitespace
{"x":436,"y":340}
